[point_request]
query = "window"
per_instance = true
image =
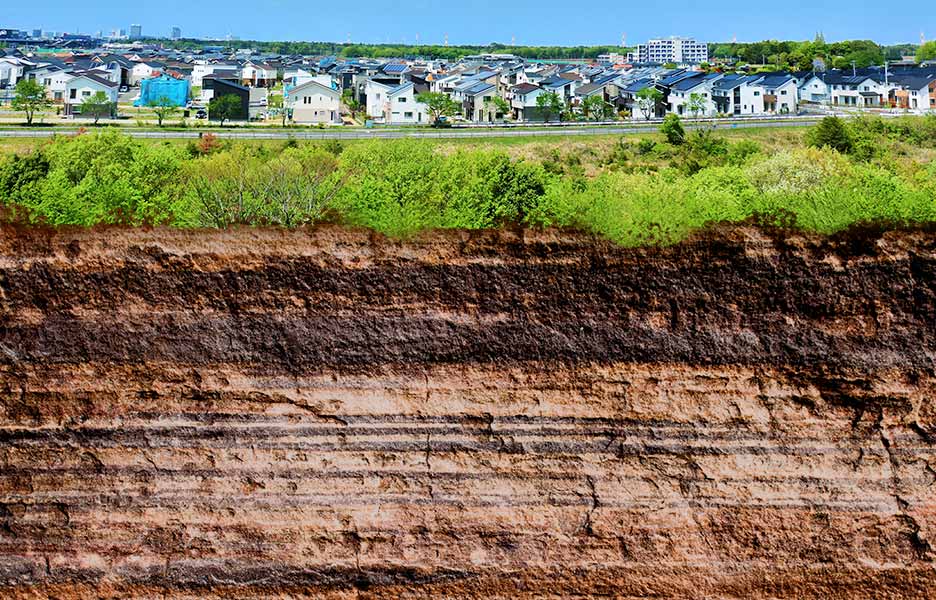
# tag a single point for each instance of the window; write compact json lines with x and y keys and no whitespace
{"x":783,"y":92}
{"x":401,"y":99}
{"x":408,"y":115}
{"x":757,"y":93}
{"x":85,"y":93}
{"x":72,"y":94}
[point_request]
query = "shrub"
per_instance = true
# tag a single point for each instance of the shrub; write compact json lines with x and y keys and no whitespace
{"x":740,"y":152}
{"x":830,"y":133}
{"x":796,"y":171}
{"x":102,"y":178}
{"x":702,"y":149}
{"x":673,"y":130}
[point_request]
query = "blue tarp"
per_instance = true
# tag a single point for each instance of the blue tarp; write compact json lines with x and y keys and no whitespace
{"x":164,"y":86}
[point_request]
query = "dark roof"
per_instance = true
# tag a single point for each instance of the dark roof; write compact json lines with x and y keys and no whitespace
{"x":688,"y":83}
{"x":589,"y":88}
{"x":96,"y":78}
{"x":524,"y":88}
{"x":776,"y":79}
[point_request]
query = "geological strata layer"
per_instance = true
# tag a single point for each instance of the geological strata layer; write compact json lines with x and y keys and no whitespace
{"x":332,"y":414}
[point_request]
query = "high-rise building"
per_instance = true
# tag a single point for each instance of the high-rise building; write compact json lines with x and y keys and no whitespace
{"x":176,"y":33}
{"x":677,"y":50}
{"x":136,"y":32}
{"x":37,"y":33}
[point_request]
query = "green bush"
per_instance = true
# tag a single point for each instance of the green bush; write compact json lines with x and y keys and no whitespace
{"x":673,"y":130}
{"x":830,"y":133}
{"x":740,"y":152}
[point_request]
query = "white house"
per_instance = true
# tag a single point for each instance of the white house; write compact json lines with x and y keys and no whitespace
{"x":402,"y":107}
{"x":312,"y":102}
{"x":682,"y":93}
{"x":85,"y":85}
{"x":258,"y":74}
{"x":375,"y":95}
{"x":223,"y":70}
{"x":814,"y":89}
{"x":144,"y":70}
{"x":11,"y":70}
{"x":738,"y":95}
{"x":779,"y":92}
{"x":54,"y":79}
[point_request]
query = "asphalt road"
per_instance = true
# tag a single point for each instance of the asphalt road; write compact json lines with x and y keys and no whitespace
{"x":365,"y":134}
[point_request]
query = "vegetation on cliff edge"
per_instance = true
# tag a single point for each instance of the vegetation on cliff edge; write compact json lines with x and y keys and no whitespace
{"x":644,"y":191}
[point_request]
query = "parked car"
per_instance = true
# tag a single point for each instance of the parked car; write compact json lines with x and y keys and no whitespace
{"x":124,"y":88}
{"x":201,"y":114}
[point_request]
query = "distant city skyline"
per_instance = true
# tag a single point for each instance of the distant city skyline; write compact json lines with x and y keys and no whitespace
{"x":546,"y":22}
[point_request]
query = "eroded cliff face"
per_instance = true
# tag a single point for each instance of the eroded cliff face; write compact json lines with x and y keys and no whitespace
{"x":330,"y":414}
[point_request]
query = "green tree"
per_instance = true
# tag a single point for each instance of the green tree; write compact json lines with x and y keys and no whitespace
{"x":97,"y":105}
{"x":830,"y":133}
{"x":648,"y":99}
{"x":673,"y":130}
{"x":595,"y":108}
{"x":926,"y":52}
{"x":549,"y":104}
{"x":29,"y":98}
{"x":353,"y":104}
{"x":224,"y":107}
{"x":162,"y":108}
{"x":497,"y":106}
{"x":696,"y":104}
{"x":439,"y":105}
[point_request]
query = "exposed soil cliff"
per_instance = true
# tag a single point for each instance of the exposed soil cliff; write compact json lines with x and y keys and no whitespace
{"x":329,"y":414}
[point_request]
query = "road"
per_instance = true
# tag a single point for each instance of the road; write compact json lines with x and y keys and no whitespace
{"x":366,"y":134}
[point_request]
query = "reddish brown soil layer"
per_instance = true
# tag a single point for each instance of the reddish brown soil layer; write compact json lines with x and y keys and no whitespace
{"x":329,"y":414}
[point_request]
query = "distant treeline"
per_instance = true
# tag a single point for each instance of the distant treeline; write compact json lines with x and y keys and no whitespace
{"x":790,"y":55}
{"x":800,"y":55}
{"x":397,"y":50}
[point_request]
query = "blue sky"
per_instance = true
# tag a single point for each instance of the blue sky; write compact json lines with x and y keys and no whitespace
{"x":552,"y":22}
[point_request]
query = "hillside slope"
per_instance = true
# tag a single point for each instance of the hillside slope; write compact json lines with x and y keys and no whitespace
{"x":331,"y":414}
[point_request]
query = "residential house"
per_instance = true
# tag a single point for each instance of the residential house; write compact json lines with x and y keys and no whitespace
{"x":214,"y":86}
{"x":814,"y":88}
{"x":856,"y":90}
{"x":145,"y":70}
{"x":54,"y":79}
{"x":375,"y":95}
{"x":685,"y":90}
{"x":258,"y":74}
{"x":402,"y":107}
{"x":913,"y":92}
{"x":314,"y":102}
{"x":780,"y":93}
{"x":476,"y":102}
{"x":736,"y":95}
{"x":12,"y":68}
{"x":523,"y":102}
{"x":83,"y":86}
{"x":223,"y":70}
{"x":630,"y":100}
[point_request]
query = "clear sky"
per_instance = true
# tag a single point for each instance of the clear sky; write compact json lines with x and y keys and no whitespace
{"x":532,"y":22}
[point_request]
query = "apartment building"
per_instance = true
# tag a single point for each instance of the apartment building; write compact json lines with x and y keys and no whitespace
{"x":677,"y":50}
